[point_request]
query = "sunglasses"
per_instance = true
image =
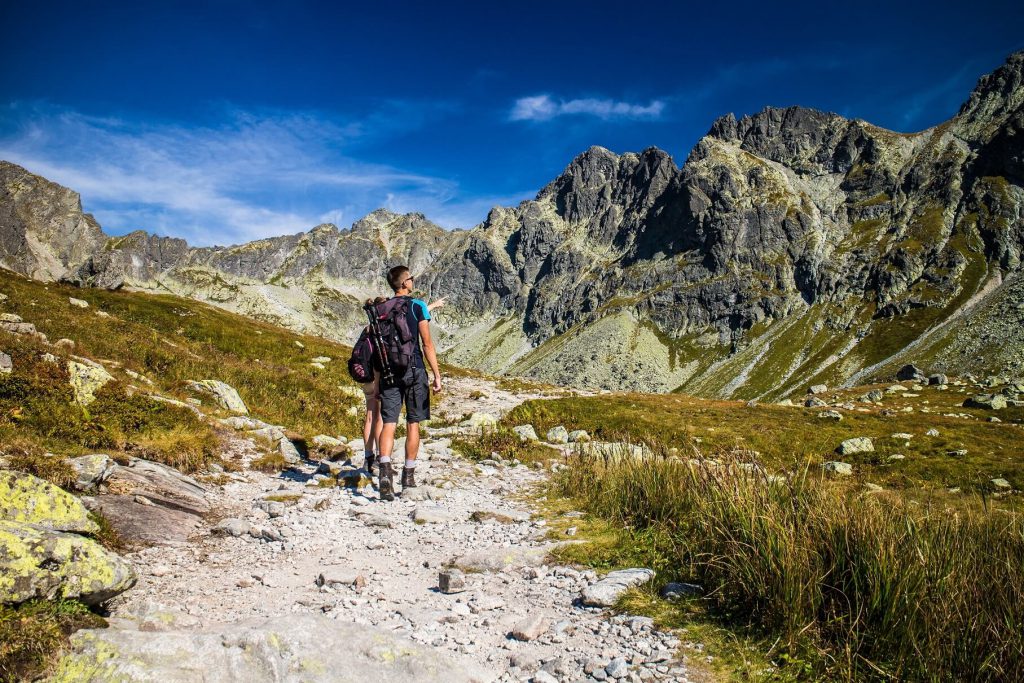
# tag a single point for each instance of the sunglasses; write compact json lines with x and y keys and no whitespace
{"x":408,"y":279}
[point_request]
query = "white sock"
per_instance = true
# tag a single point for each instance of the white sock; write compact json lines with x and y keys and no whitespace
{"x":409,"y":464}
{"x":385,"y":459}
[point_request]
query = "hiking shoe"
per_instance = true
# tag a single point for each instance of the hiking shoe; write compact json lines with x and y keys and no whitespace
{"x":368,"y":462}
{"x":385,"y":481}
{"x":408,"y":478}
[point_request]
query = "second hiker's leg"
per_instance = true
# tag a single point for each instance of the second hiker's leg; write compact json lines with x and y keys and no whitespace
{"x":390,"y":407}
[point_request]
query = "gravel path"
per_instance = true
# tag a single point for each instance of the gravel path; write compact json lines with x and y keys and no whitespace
{"x":346,"y":554}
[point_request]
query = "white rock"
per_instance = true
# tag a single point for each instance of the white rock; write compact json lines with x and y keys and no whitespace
{"x":607,"y":591}
{"x":224,"y":394}
{"x":78,"y":302}
{"x":860,"y":444}
{"x":558,"y":434}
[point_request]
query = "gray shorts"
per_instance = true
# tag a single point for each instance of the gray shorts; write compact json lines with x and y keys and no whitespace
{"x":413,"y":390}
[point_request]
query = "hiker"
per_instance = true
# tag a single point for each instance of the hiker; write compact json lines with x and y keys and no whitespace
{"x":373,"y":423}
{"x":411,"y":386}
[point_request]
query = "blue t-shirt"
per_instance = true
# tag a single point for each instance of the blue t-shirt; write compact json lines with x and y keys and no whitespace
{"x":417,"y":311}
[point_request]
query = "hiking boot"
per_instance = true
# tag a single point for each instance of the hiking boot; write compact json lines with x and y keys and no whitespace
{"x":408,"y":478}
{"x":368,"y":462}
{"x":385,"y":481}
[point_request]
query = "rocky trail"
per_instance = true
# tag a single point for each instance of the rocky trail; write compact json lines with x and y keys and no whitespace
{"x":289,"y":580}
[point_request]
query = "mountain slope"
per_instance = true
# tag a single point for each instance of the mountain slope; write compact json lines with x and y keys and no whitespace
{"x":793,"y":246}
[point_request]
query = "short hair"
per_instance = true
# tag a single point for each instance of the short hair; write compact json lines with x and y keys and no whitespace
{"x":397,"y":276}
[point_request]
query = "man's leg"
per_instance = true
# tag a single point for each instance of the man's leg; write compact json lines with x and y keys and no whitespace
{"x":417,"y":409}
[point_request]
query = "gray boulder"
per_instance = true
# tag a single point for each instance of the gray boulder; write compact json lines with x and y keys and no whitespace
{"x":837,"y":468}
{"x":286,"y":649}
{"x":909,"y":373}
{"x":224,"y":394}
{"x":37,"y":562}
{"x":6,"y":365}
{"x":92,"y":470}
{"x":609,"y":589}
{"x":86,"y":380}
{"x":558,"y":434}
{"x":526,"y":433}
{"x":986,"y":402}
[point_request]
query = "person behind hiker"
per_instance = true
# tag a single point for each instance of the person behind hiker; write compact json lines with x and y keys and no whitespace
{"x":411,"y":389}
{"x":373,"y":423}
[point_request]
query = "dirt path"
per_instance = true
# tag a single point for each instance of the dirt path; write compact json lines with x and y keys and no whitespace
{"x":354,"y":558}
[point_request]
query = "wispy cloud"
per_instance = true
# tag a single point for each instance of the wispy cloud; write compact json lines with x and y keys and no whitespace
{"x":544,"y":107}
{"x":251,"y":175}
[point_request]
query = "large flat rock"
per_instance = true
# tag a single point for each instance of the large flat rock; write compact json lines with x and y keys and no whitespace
{"x":296,"y":647}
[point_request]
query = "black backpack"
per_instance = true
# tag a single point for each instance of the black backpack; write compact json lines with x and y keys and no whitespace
{"x":389,"y":323}
{"x":361,"y":363}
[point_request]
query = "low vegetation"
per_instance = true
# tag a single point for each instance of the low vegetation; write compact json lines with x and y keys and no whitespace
{"x":31,"y":634}
{"x":874,"y":586}
{"x":503,"y":442}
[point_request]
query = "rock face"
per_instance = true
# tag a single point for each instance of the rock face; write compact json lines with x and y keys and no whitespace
{"x":288,"y":648}
{"x":793,"y":248}
{"x":176,"y":503}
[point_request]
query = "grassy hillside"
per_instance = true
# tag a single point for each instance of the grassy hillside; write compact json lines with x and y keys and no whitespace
{"x":168,"y":341}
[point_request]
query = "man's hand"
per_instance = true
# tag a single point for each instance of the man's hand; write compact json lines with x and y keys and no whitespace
{"x":436,"y":386}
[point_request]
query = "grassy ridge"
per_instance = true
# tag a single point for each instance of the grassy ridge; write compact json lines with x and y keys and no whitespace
{"x":171,"y":340}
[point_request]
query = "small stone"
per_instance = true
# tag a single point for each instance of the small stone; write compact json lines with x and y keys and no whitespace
{"x":142,"y":500}
{"x":958,"y":453}
{"x":860,"y":444}
{"x":451,"y":581}
{"x":232,"y":527}
{"x":558,"y":435}
{"x":607,"y":591}
{"x":831,"y":415}
{"x":815,"y":402}
{"x":676,"y":591}
{"x":937,"y":379}
{"x":1000,"y":483}
{"x":530,"y":628}
{"x":932,"y":432}
{"x":617,"y":668}
{"x":842,"y":469}
{"x":579,"y":436}
{"x":897,"y":456}
{"x":817,"y":389}
{"x":6,"y":365}
{"x":543,"y":677}
{"x":909,"y":373}
{"x":78,"y":302}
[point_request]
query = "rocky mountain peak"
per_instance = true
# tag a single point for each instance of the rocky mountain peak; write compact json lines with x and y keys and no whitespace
{"x":998,"y":97}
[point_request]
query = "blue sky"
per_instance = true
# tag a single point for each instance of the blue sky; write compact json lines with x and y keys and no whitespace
{"x":225,"y":121}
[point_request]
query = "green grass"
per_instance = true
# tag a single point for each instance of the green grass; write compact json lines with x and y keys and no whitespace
{"x":783,"y":438}
{"x":506,"y":443}
{"x":847,"y":585}
{"x":33,"y":634}
{"x":171,"y":340}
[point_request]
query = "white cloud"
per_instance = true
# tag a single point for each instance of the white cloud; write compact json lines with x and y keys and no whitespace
{"x":543,"y":108}
{"x":249,"y":176}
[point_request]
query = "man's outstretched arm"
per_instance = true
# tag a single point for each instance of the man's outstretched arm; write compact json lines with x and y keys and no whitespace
{"x":430,"y":353}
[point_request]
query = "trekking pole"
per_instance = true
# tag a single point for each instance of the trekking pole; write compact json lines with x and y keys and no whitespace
{"x":387,"y":376}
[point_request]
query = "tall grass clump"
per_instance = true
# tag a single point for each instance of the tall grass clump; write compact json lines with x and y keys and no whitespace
{"x":874,"y":586}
